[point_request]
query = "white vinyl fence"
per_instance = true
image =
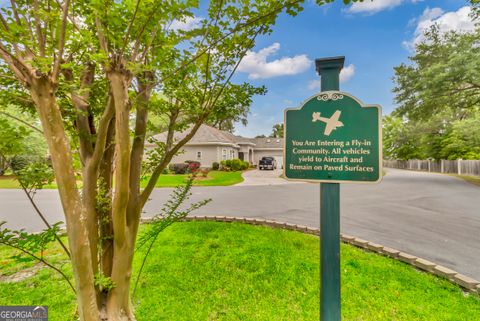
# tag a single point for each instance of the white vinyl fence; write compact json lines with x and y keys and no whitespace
{"x":459,"y":166}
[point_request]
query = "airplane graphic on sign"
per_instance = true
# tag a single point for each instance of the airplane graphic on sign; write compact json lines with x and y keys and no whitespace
{"x":331,"y":123}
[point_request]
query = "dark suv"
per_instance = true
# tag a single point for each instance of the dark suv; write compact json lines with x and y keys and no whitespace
{"x":267,"y":162}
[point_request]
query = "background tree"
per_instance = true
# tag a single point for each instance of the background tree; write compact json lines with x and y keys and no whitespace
{"x":438,"y":96}
{"x":87,"y":68}
{"x":11,"y":143}
{"x":21,"y":142}
{"x":400,"y":139}
{"x":277,"y":131}
{"x":443,"y":76}
{"x":462,"y":140}
{"x":234,"y":106}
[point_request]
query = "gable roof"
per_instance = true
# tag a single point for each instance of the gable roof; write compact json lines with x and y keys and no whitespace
{"x":211,"y":135}
{"x":204,"y":134}
{"x":268,"y":142}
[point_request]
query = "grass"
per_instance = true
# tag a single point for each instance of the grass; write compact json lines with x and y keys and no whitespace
{"x":218,"y":271}
{"x":214,"y":178}
{"x":471,"y":179}
{"x":9,"y":182}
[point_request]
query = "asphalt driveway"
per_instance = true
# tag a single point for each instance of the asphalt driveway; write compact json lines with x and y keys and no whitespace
{"x":258,"y":177}
{"x":433,"y":216}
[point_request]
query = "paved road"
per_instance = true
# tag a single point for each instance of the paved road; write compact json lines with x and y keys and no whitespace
{"x":264,"y":177}
{"x":429,"y":215}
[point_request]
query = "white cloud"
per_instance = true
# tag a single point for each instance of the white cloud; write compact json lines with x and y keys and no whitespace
{"x":314,"y":84}
{"x":186,"y":24}
{"x":459,"y":20}
{"x":257,"y":66}
{"x":345,"y":75}
{"x":374,"y":6}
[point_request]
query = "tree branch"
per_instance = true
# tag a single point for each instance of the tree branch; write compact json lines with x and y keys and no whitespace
{"x":38,"y":28}
{"x":238,"y":27}
{"x":166,"y":160}
{"x":7,"y":29}
{"x":145,"y":87}
{"x":18,"y":20}
{"x":71,"y":19}
{"x":18,"y":68}
{"x":61,"y":42}
{"x":22,"y":121}
{"x":142,"y":30}
{"x":101,"y":35}
{"x":40,"y":259}
{"x":102,"y":134}
{"x":119,"y":87}
{"x":127,"y":33}
{"x":80,"y":102}
{"x":42,"y":217}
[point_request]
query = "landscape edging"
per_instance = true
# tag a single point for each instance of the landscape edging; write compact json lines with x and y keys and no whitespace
{"x":463,"y":281}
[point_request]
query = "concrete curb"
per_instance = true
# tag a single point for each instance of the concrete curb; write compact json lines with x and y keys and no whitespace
{"x":463,"y":281}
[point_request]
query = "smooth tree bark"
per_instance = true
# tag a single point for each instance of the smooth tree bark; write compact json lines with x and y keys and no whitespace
{"x":42,"y":92}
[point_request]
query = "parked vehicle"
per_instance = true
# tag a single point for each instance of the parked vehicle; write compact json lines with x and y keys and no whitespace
{"x":267,"y":162}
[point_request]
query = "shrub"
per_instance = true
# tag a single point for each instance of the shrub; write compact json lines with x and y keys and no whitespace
{"x":215,"y":166}
{"x":233,"y":165}
{"x":20,"y":162}
{"x":204,"y":172}
{"x":193,"y":166}
{"x":179,"y":168}
{"x":224,"y":166}
{"x":236,"y":164}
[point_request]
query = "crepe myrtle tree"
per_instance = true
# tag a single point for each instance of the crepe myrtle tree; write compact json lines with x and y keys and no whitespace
{"x":87,"y":68}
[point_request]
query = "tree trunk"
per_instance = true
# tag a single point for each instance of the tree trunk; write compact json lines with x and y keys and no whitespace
{"x":118,"y":305}
{"x":105,"y":214}
{"x":43,"y":96}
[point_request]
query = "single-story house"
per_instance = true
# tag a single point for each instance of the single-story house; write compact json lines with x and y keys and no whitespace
{"x":211,"y":145}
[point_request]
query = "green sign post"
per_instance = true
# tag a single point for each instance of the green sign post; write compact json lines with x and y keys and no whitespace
{"x":332,"y":138}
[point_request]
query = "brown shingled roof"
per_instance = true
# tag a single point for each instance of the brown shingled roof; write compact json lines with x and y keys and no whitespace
{"x":268,"y":142}
{"x":208,"y":134}
{"x":205,"y":134}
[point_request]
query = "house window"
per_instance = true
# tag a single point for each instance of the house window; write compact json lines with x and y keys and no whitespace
{"x":232,"y":154}
{"x":199,"y":155}
{"x":224,"y":154}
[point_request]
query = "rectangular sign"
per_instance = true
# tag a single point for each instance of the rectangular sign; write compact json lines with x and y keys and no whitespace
{"x":333,"y":138}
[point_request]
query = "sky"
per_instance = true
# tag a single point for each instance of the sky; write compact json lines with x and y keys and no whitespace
{"x":374,"y":36}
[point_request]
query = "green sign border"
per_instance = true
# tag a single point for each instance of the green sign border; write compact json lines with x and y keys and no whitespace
{"x":331,"y":94}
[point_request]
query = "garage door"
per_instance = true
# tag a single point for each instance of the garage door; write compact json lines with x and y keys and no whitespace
{"x":279,"y":160}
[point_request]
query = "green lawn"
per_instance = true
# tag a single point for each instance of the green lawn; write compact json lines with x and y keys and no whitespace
{"x":9,"y":182}
{"x":218,"y":271}
{"x":214,"y":178}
